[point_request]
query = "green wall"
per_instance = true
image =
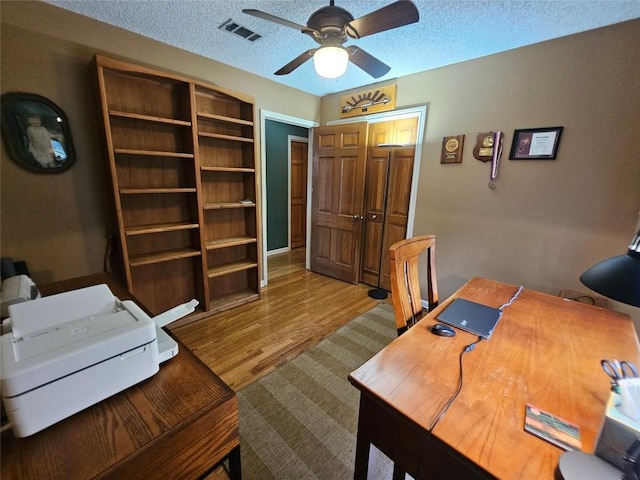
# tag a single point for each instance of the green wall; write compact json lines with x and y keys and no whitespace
{"x":277,"y":158}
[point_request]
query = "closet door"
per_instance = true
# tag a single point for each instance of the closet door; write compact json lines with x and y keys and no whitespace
{"x":339,"y":159}
{"x":386,"y":209}
{"x":397,"y":205}
{"x":390,"y":159}
{"x":374,"y":211}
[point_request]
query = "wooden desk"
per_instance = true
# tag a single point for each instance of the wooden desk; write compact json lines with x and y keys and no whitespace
{"x":180,"y":423}
{"x":546,"y":351}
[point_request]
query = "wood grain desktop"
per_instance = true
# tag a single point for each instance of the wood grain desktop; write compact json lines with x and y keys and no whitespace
{"x":178,"y":424}
{"x":545,"y":350}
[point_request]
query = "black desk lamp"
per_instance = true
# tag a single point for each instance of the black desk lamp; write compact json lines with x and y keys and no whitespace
{"x":617,"y":277}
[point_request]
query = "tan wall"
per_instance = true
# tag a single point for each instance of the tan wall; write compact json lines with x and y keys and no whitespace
{"x":542,"y":226}
{"x":547,"y":221}
{"x":57,"y":223}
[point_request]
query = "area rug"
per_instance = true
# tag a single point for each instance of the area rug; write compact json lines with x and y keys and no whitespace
{"x":300,"y":422}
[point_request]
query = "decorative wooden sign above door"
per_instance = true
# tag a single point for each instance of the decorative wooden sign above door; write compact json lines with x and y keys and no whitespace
{"x":376,"y":100}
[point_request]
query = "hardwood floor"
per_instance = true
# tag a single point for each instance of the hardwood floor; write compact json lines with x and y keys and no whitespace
{"x":298,"y":308}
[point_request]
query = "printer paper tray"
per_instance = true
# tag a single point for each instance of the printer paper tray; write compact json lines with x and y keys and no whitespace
{"x":41,"y":407}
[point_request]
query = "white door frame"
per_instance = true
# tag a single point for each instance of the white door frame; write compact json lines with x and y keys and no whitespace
{"x":278,"y":117}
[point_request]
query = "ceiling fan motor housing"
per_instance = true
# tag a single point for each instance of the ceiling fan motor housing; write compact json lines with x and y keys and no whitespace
{"x":330,"y":21}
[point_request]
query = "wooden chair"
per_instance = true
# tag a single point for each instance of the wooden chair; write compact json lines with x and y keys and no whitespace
{"x":405,"y":284}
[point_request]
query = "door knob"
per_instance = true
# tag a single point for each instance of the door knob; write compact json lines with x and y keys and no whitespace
{"x":358,"y":217}
{"x":374,"y":216}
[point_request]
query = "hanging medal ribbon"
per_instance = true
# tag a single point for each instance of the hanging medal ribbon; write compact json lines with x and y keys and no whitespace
{"x":495,"y":157}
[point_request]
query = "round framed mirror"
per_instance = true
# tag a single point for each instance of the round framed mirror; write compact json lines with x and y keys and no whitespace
{"x":36,"y":133}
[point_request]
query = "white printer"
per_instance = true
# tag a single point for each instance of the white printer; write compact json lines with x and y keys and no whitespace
{"x":66,"y":352}
{"x":16,"y":289}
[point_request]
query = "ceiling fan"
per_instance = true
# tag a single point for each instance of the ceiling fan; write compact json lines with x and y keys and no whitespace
{"x":332,"y":26}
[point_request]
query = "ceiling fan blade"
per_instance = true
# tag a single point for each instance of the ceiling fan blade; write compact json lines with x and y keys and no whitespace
{"x":281,"y":21}
{"x":397,"y":14}
{"x":296,"y":62}
{"x":367,"y":62}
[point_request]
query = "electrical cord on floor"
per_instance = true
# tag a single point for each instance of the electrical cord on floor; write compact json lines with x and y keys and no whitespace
{"x":106,"y":260}
{"x":453,"y":397}
{"x":591,"y":300}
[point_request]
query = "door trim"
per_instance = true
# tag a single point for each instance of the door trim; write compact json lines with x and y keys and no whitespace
{"x":278,"y":117}
{"x":421,"y":113}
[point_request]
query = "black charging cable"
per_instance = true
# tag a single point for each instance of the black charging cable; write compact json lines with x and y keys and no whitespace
{"x":467,"y":349}
{"x":453,"y":397}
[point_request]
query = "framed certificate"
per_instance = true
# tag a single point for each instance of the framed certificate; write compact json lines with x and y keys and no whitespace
{"x":535,"y":144}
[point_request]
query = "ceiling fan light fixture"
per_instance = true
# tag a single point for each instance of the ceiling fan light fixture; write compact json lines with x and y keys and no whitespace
{"x":330,"y":61}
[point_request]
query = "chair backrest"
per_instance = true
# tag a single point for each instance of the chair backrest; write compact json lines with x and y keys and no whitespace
{"x":405,"y":284}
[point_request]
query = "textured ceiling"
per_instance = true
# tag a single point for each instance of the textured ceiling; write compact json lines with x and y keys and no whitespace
{"x":449,"y":31}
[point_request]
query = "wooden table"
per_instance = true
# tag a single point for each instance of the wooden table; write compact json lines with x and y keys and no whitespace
{"x":545,"y":350}
{"x":180,"y":423}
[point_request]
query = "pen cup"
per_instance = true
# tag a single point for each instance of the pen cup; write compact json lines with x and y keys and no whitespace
{"x":630,"y":397}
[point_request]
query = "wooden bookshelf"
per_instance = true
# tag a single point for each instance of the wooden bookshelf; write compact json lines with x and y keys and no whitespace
{"x":182,"y":158}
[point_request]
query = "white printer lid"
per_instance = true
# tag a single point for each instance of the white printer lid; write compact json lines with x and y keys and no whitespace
{"x":30,"y":317}
{"x":61,"y":334}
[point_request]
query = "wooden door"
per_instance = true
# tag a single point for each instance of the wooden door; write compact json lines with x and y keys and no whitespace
{"x":405,"y":131}
{"x":299,"y":158}
{"x":339,"y":158}
{"x":374,"y":210}
{"x":397,"y":205}
{"x":386,"y":209}
{"x":397,"y":132}
{"x":387,"y":204}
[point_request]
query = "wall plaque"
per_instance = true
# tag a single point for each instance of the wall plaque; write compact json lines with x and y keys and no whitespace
{"x":376,"y":100}
{"x":483,"y":150}
{"x":452,"y":149}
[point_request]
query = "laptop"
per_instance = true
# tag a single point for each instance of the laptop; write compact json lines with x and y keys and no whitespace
{"x":471,"y":317}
